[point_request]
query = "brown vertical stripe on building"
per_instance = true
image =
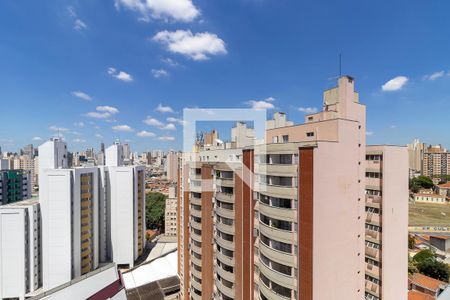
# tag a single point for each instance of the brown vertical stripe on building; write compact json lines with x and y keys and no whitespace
{"x":305,"y":217}
{"x":178,"y":220}
{"x":186,"y":235}
{"x":207,"y":233}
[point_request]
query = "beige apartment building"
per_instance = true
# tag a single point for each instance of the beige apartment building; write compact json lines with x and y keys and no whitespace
{"x":171,"y":213}
{"x":436,"y":161}
{"x":287,"y":219}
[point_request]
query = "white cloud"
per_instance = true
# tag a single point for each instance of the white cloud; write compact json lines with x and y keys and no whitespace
{"x":308,"y":110}
{"x":178,"y":10}
{"x":79,"y":25}
{"x":123,"y":128}
{"x":153,"y":122}
{"x":175,"y":120}
{"x":164,"y":109}
{"x":110,"y":109}
{"x":56,"y":128}
{"x":159,"y":73}
{"x":37,"y":138}
{"x":144,"y":133}
{"x":98,"y":115}
{"x":197,"y":46}
{"x":166,"y":138}
{"x":71,"y":11}
{"x":369,"y":132}
{"x":434,"y":76}
{"x":260,"y":104}
{"x":120,"y":75}
{"x":98,"y":135}
{"x":79,"y":141}
{"x":78,"y":124}
{"x":393,"y":126}
{"x":395,"y":84}
{"x":169,"y":126}
{"x":82,"y":95}
{"x":169,"y":61}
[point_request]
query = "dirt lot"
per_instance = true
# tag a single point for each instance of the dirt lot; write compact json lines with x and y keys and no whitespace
{"x":421,"y":214}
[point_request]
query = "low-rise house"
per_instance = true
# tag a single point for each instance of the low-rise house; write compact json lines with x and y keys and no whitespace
{"x":430,"y":198}
{"x":426,"y":285}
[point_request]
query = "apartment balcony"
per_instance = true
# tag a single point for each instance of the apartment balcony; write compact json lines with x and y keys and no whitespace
{"x":196,"y":213}
{"x":269,"y":293}
{"x":225,"y":228}
{"x":196,"y":274}
{"x":229,"y":182}
{"x":195,"y":296}
{"x":373,"y":253}
{"x":277,"y":277}
{"x":195,"y":176}
{"x":195,"y":237}
{"x":224,"y":243}
{"x":373,"y":271}
{"x":224,"y":289}
{"x":373,"y":236}
{"x":373,"y":218}
{"x":196,"y":261}
{"x":196,"y":249}
{"x":196,"y":284}
{"x":225,"y":197}
{"x":373,"y":165}
{"x":277,"y":190}
{"x":278,"y":256}
{"x":225,"y":259}
{"x":277,"y":234}
{"x":373,"y":183}
{"x":223,"y":212}
{"x":372,"y":288}
{"x":373,"y":201}
{"x":224,"y":274}
{"x":196,"y":201}
{"x":287,"y":214}
{"x":276,"y":169}
{"x":195,"y":188}
{"x":196,"y":225}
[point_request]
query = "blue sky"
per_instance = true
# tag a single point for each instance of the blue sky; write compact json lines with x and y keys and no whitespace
{"x":100,"y":69}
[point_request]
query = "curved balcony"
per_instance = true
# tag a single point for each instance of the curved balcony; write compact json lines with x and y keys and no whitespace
{"x":196,"y":225}
{"x":196,"y":249}
{"x":224,"y":243}
{"x":225,"y":197}
{"x":227,"y":213}
{"x":197,"y":201}
{"x":225,"y":228}
{"x":195,"y":296}
{"x":277,"y":212}
{"x":276,"y":169}
{"x":224,"y":274}
{"x":278,"y":191}
{"x":196,"y":237}
{"x":277,"y":277}
{"x":277,"y":234}
{"x":224,"y":289}
{"x":225,"y":259}
{"x":196,"y":261}
{"x":196,"y":274}
{"x":270,"y":294}
{"x":277,"y":256}
{"x":229,"y":182}
{"x":195,"y":284}
{"x":196,"y":213}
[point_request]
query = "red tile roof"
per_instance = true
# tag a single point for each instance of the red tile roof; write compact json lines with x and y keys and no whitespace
{"x":426,"y":282}
{"x":445,"y":185}
{"x":416,"y":295}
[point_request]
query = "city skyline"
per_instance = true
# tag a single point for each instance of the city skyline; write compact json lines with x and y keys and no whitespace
{"x":99,"y":71}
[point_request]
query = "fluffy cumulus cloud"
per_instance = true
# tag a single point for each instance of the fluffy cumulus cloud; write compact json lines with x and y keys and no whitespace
{"x":145,"y":133}
{"x":307,"y":110}
{"x":395,"y":84}
{"x":37,"y":138}
{"x":262,"y":104}
{"x":158,"y":73}
{"x":199,"y":46}
{"x":82,"y":95}
{"x":153,"y":122}
{"x":169,"y":126}
{"x":122,"y":128}
{"x":102,"y":112}
{"x":434,"y":76}
{"x":166,"y":138}
{"x":79,"y":25}
{"x":177,"y":10}
{"x":176,"y":120}
{"x":120,"y":75}
{"x":164,"y":109}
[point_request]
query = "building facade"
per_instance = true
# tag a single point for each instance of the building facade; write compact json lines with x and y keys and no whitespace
{"x":436,"y":162}
{"x":171,"y":213}
{"x":15,"y":185}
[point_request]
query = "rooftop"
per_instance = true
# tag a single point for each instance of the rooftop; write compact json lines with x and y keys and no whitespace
{"x":426,"y":282}
{"x":27,"y":202}
{"x":416,"y":295}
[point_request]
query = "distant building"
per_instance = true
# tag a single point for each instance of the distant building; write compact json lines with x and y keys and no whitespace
{"x":427,"y":285}
{"x":279,"y":120}
{"x":415,"y":152}
{"x":430,"y":198}
{"x":442,"y":243}
{"x":15,"y":185}
{"x":436,"y":162}
{"x":20,"y":250}
{"x":171,"y":213}
{"x":444,"y":189}
{"x":172,"y":165}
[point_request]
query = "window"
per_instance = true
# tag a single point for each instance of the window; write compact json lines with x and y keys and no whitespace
{"x":310,"y":134}
{"x":285,"y":138}
{"x":275,"y":139}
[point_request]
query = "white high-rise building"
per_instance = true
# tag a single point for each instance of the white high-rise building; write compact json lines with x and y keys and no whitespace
{"x":124,"y":189}
{"x":20,"y":260}
{"x":114,"y":155}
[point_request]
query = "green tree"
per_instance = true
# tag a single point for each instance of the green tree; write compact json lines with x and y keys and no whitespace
{"x":155,"y":206}
{"x":435,"y":269}
{"x":424,"y":255}
{"x":412,"y":266}
{"x":411,"y":241}
{"x":415,"y":184}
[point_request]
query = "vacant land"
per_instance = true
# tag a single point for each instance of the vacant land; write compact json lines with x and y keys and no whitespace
{"x":421,"y":214}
